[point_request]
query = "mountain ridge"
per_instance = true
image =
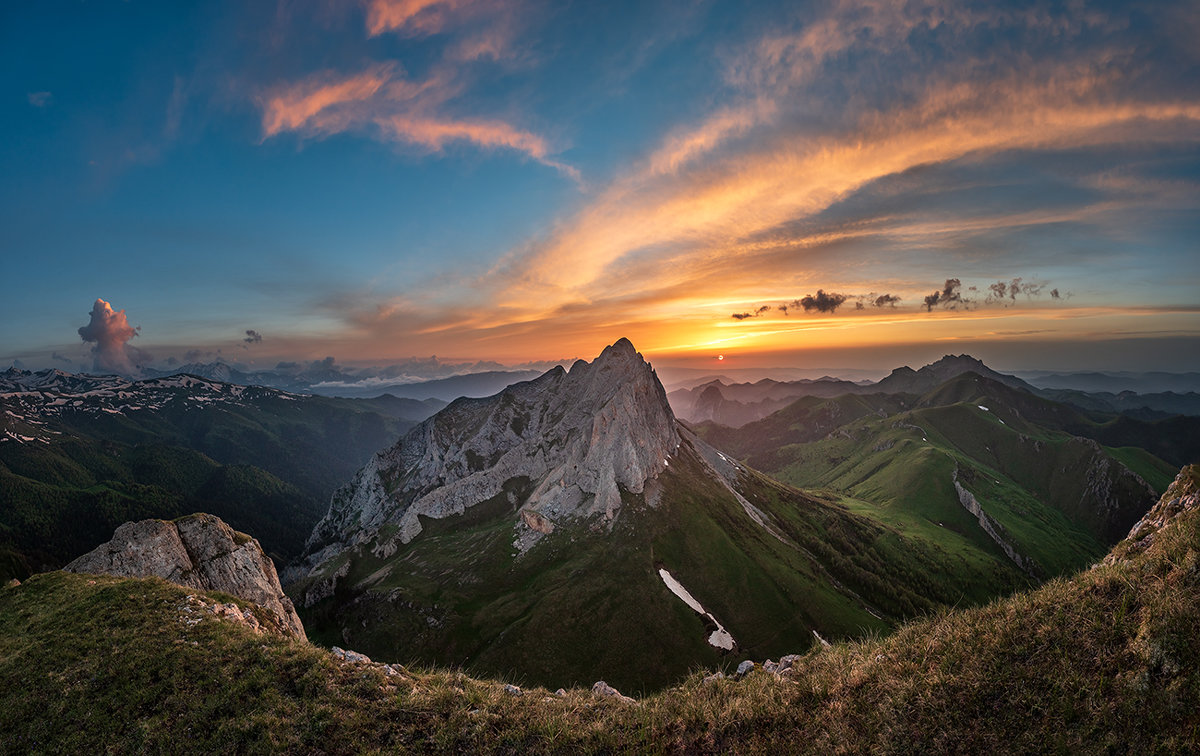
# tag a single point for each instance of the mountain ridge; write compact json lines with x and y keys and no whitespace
{"x":486,"y":533}
{"x":472,"y":448}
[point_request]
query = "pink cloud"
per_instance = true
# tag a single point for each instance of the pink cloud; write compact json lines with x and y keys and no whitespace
{"x":300,"y":106}
{"x":380,"y":102}
{"x":110,"y":331}
{"x":413,"y":17}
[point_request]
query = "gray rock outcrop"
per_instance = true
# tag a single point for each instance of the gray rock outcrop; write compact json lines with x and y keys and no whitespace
{"x":563,"y":446}
{"x":199,"y":551}
{"x":994,"y":530}
{"x":1183,"y":495}
{"x":604,"y":690}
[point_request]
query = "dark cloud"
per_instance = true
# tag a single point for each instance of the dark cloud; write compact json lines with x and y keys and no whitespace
{"x":1006,"y":292}
{"x":172,"y":361}
{"x":885,"y":300}
{"x":950,"y":297}
{"x":287,"y":366}
{"x":950,"y":291}
{"x":110,"y":331}
{"x":61,"y":358}
{"x":755,"y":314}
{"x":821,"y":301}
{"x":252,"y":336}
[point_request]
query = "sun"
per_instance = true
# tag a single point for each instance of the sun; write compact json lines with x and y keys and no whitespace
{"x":720,"y":357}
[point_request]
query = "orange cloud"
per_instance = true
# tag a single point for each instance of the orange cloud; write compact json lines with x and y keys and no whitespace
{"x":381,"y":102}
{"x":688,"y":144}
{"x":715,"y":208}
{"x":712,"y":221}
{"x":415,"y":17}
{"x":301,"y":106}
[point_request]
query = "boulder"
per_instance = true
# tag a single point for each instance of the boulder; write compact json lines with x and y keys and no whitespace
{"x":602,"y":688}
{"x":199,"y":551}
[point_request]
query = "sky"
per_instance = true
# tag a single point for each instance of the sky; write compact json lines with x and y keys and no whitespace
{"x":808,"y":184}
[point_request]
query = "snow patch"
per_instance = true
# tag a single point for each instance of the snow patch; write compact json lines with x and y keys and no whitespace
{"x":980,"y":406}
{"x":720,"y":638}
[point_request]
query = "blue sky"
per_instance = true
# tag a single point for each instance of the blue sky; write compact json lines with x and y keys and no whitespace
{"x":529,"y":181}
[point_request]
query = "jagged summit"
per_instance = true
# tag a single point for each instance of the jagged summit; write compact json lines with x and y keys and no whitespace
{"x":563,"y":445}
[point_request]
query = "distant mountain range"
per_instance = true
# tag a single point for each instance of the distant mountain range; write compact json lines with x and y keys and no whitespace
{"x":740,"y":403}
{"x":81,"y":454}
{"x":1116,"y":383}
{"x":331,"y":380}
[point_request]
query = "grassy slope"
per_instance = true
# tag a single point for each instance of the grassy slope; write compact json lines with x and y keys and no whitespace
{"x":52,"y":518}
{"x":899,"y":468}
{"x":1105,"y":661}
{"x":582,"y":604}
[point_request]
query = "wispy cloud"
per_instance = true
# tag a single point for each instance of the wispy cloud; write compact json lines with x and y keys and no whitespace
{"x":40,"y":99}
{"x":415,"y":17}
{"x":484,"y":29}
{"x":690,"y":143}
{"x":428,"y":113}
{"x":780,"y":188}
{"x":382,"y":103}
{"x":704,"y":196}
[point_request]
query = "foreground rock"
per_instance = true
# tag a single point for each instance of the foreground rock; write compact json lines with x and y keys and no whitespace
{"x":199,"y":551}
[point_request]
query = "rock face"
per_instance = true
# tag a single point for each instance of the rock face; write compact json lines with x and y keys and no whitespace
{"x":1183,"y":495}
{"x":993,"y":528}
{"x":566,"y":444}
{"x":199,"y":551}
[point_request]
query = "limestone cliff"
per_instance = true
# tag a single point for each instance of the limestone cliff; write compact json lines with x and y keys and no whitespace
{"x":566,"y":443}
{"x":199,"y":551}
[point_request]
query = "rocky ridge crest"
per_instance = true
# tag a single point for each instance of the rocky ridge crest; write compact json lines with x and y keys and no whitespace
{"x":1183,"y":495}
{"x":199,"y":551}
{"x":565,"y":444}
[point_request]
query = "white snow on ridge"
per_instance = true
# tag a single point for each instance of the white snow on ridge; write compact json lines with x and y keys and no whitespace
{"x":720,"y":638}
{"x":980,"y":406}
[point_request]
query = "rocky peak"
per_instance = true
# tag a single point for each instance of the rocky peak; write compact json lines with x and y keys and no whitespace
{"x":199,"y":551}
{"x":570,"y":440}
{"x":957,"y":363}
